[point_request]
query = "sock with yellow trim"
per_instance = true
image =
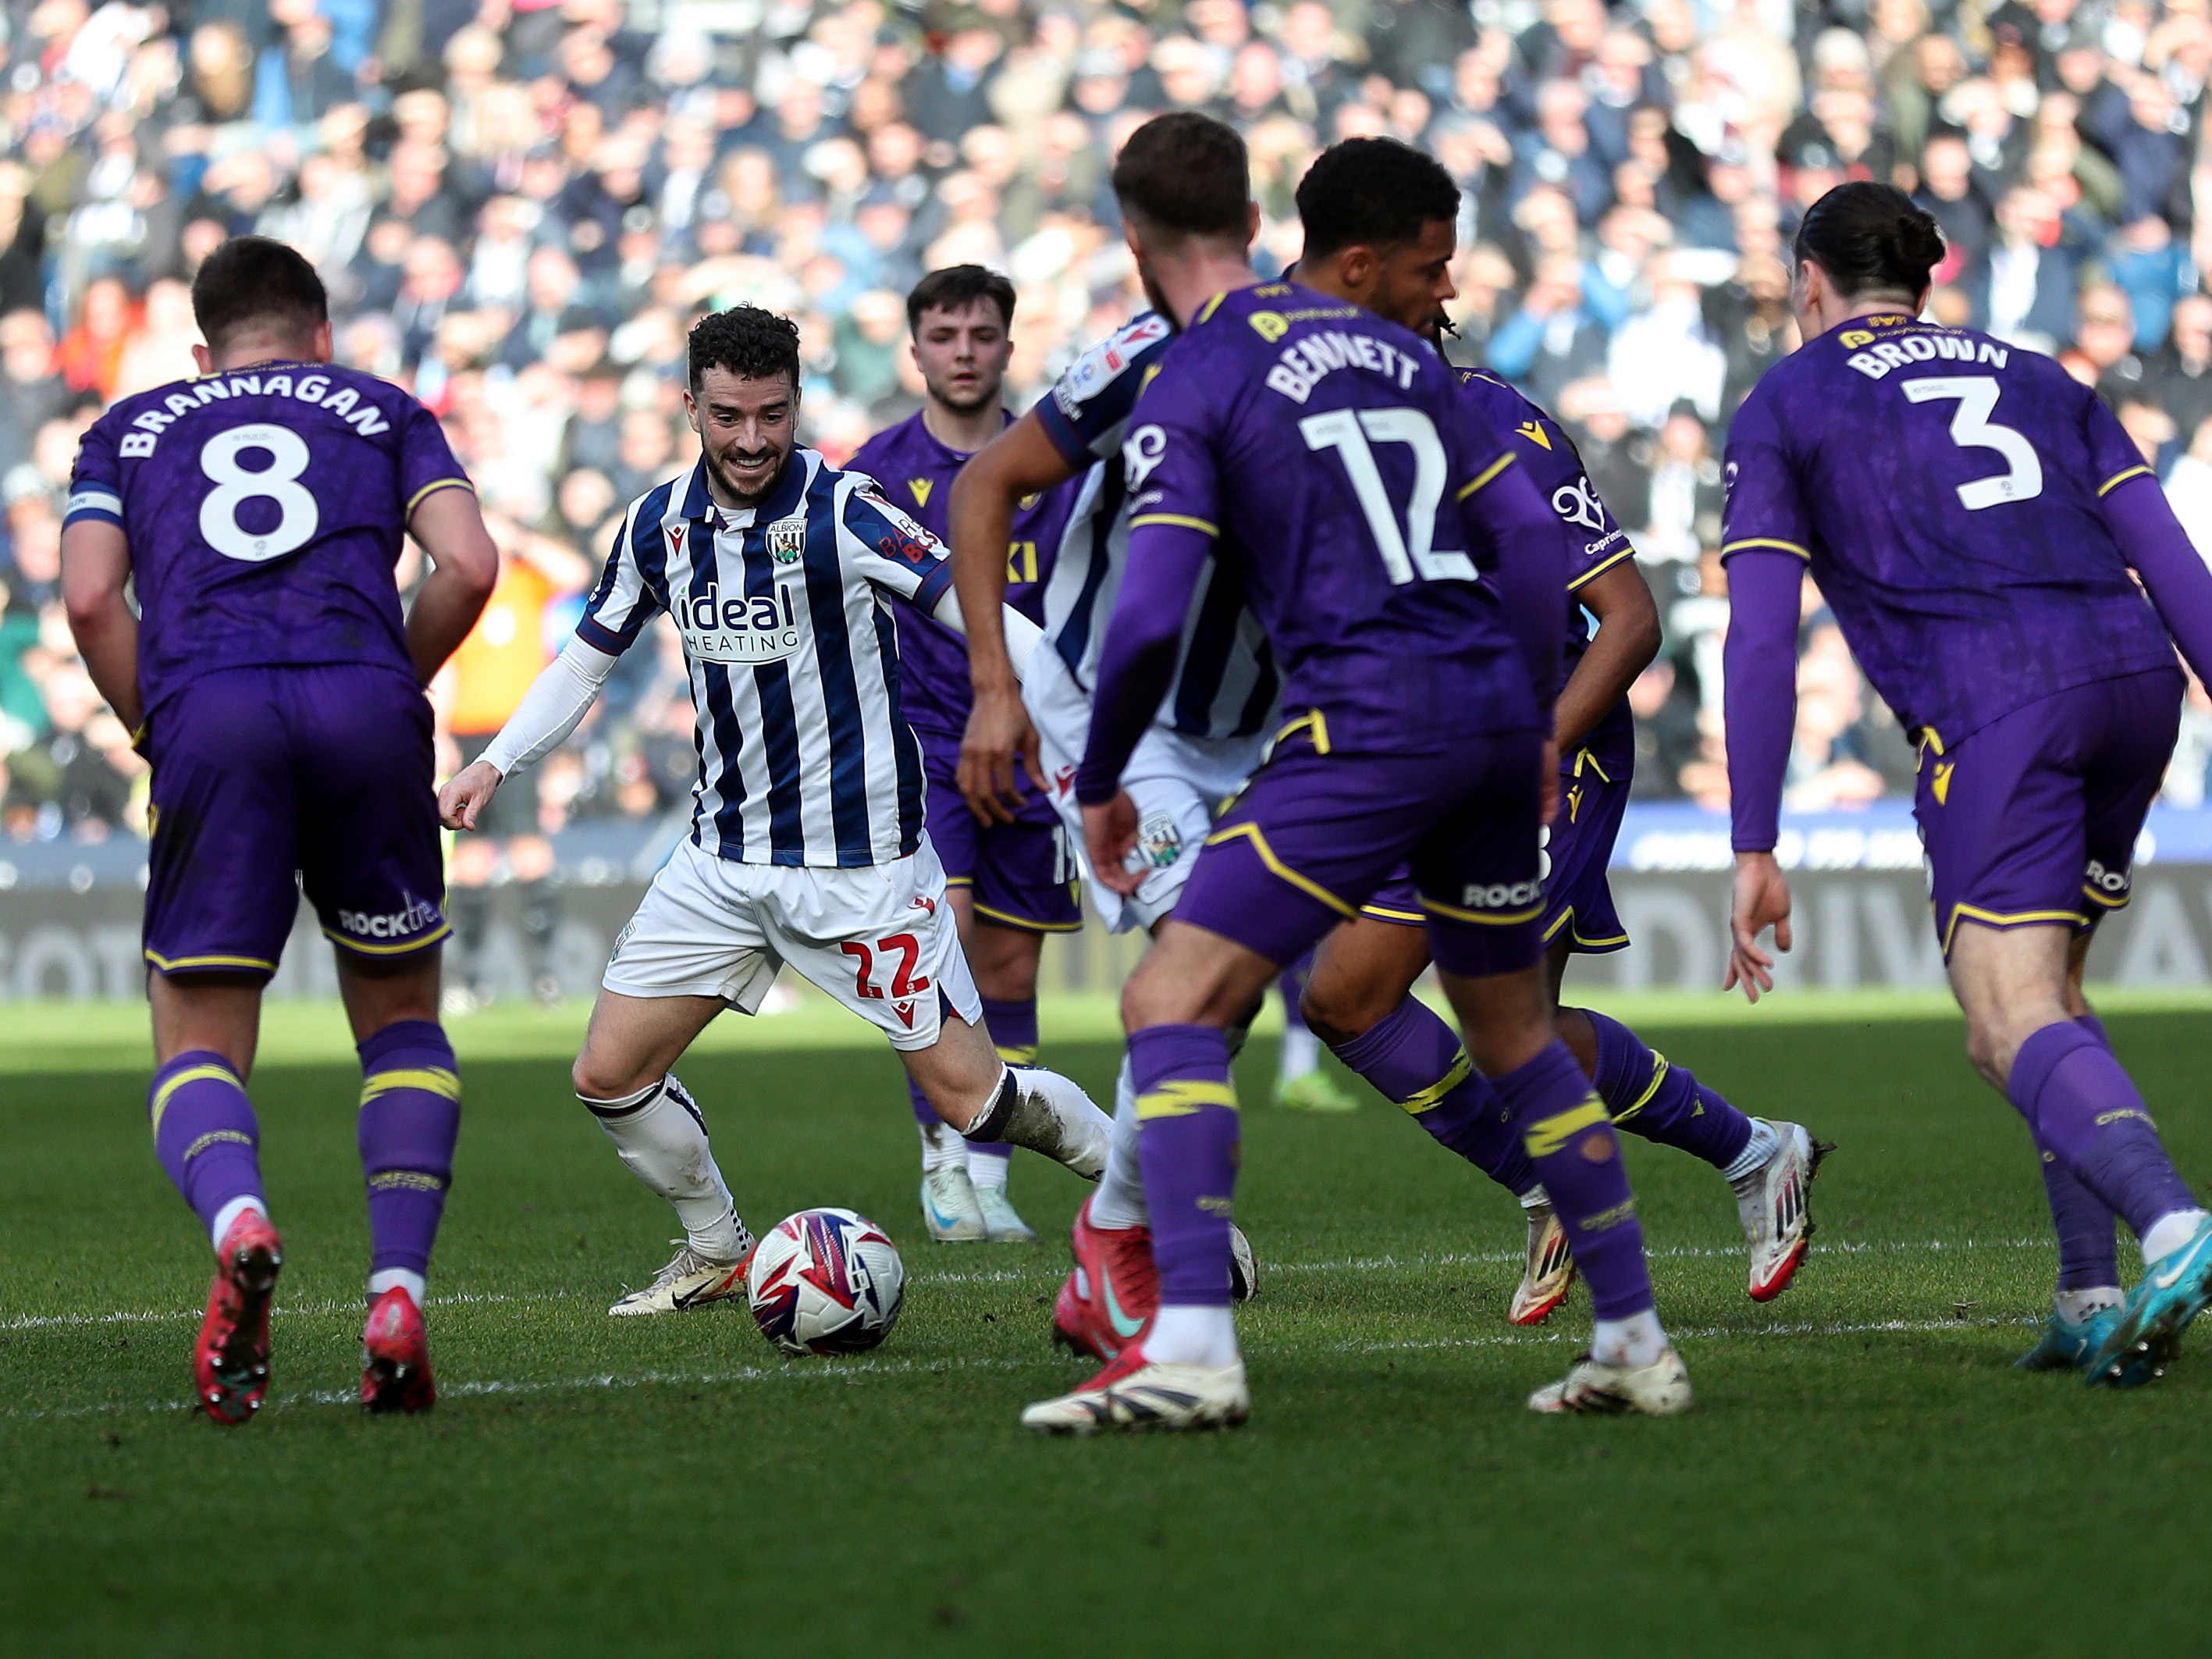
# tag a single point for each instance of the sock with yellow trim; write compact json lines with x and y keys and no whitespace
{"x":1187,"y":1144}
{"x":1648,"y":1095}
{"x":410,"y":1116}
{"x":205,"y":1136}
{"x":1413,"y":1057}
{"x":1570,"y":1139}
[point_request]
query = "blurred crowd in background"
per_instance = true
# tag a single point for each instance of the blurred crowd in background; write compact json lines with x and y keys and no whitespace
{"x":521,"y":205}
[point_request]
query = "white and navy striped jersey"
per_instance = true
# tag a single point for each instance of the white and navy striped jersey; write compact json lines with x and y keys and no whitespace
{"x":1224,"y":683}
{"x":805,"y":755}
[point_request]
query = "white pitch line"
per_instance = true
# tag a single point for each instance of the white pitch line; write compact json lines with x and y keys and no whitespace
{"x":1014,"y":1275}
{"x":865,"y":1370}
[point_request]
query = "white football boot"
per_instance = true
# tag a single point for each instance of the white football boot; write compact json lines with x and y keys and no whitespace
{"x":951,"y":1209}
{"x":1549,"y":1272}
{"x":1659,"y":1389}
{"x":690,"y":1280}
{"x":1132,"y":1392}
{"x":1774,"y":1203}
{"x":1002,"y":1222}
{"x":1243,"y":1266}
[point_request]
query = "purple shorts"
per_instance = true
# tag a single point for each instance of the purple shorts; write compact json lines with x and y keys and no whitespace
{"x":1577,"y":898}
{"x":1021,"y":874}
{"x":269,"y":780}
{"x":2033,"y":818}
{"x":1315,"y":836}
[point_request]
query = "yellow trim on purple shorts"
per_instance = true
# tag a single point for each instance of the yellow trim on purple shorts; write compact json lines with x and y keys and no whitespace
{"x":2001,"y":920}
{"x":398,"y":950}
{"x":1253,"y":833}
{"x":1509,"y":919}
{"x":188,"y":964}
{"x":1023,"y":924}
{"x":1400,"y":918}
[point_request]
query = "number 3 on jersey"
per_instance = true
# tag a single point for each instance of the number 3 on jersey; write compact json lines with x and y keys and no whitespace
{"x":1972,"y":429}
{"x":277,"y":482}
{"x":1407,"y":554}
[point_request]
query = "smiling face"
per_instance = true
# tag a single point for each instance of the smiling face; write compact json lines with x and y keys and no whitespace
{"x":747,"y":426}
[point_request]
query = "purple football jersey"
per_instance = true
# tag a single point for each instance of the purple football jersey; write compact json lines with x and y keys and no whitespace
{"x":1943,"y":487}
{"x":1331,"y":453}
{"x":265,"y":509}
{"x":914,"y":468}
{"x":1595,"y":543}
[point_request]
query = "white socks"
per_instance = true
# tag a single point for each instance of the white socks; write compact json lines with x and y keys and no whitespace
{"x":1756,"y":1150}
{"x":405,"y":1279}
{"x":1192,"y":1336}
{"x":230,"y":1212}
{"x":1635,"y":1342}
{"x":1120,"y":1201}
{"x":1046,"y":1113}
{"x":943,"y":1147}
{"x":660,"y":1135}
{"x":1300,"y":1054}
{"x":2169,"y":1233}
{"x":2074,"y":1306}
{"x":1536,"y":1197}
{"x":987,"y":1169}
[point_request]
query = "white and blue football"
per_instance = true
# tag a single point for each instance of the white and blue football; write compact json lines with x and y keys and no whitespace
{"x":826,"y":1282}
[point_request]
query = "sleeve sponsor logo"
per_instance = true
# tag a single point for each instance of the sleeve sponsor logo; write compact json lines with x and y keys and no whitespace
{"x":1576,"y":503}
{"x":1141,"y":453}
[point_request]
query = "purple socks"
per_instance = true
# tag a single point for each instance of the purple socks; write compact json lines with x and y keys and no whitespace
{"x":1570,"y":1139}
{"x":2087,"y":1117}
{"x":1187,"y":1144}
{"x":1412,"y":1056}
{"x":1013,"y":1028}
{"x":2088,"y":1256}
{"x":205,"y":1132}
{"x":1649,"y":1095}
{"x":411,"y":1116}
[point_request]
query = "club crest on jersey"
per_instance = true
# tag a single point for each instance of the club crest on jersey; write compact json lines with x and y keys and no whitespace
{"x":786,"y":540}
{"x":1159,"y":842}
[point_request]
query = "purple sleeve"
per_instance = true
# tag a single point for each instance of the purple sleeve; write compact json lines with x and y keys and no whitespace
{"x":1515,"y":536}
{"x":1760,"y":661}
{"x":426,"y":458}
{"x":1137,"y":662}
{"x":2152,"y":540}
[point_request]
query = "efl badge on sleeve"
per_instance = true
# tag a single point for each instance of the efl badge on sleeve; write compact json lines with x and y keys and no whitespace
{"x":786,"y":541}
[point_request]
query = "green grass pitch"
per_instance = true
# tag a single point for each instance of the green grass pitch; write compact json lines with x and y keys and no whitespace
{"x":1863,"y":1473}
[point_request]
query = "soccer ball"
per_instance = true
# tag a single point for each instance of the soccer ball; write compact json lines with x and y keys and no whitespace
{"x":825,"y":1282}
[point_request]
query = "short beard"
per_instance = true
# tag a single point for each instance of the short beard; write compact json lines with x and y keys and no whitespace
{"x":1154,"y":297}
{"x":740,"y":497}
{"x":975,"y":405}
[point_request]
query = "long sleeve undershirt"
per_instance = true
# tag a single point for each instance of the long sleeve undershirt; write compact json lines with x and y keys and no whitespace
{"x":2174,"y":575}
{"x":1759,"y":662}
{"x":1165,"y":561}
{"x":563,"y":693}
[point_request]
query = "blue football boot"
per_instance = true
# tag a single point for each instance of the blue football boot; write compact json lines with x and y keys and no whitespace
{"x":2067,"y":1344}
{"x":2143,"y":1339}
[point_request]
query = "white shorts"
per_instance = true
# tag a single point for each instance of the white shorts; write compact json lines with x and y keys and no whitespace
{"x":881,"y":940}
{"x":1179,"y":783}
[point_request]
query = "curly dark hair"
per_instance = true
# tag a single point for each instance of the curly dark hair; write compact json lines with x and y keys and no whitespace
{"x":1374,"y":193}
{"x":750,"y":342}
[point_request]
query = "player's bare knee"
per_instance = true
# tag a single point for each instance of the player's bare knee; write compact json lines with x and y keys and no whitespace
{"x":596,"y":1077}
{"x":1337,"y":1012}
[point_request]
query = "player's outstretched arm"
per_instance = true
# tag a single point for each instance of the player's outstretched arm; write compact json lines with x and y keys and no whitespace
{"x":557,"y":702}
{"x":96,"y":568}
{"x":449,"y":527}
{"x":1627,"y":639}
{"x":2175,"y":576}
{"x":1020,"y":461}
{"x":1760,"y":661}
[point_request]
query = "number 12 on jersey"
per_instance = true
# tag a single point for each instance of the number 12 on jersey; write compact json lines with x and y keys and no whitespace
{"x":1404,"y":554}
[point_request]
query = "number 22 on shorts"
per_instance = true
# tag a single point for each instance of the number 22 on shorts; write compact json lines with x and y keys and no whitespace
{"x":905,"y":984}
